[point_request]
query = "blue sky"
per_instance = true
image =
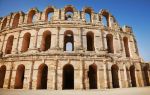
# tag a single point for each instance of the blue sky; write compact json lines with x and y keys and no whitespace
{"x":135,"y":13}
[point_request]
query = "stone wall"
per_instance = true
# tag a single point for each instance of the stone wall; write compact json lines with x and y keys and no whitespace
{"x":128,"y":70}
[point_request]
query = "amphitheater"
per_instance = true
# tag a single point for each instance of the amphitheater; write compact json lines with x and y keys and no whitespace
{"x":64,"y":49}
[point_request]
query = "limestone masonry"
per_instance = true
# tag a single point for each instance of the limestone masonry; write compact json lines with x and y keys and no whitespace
{"x":68,"y":49}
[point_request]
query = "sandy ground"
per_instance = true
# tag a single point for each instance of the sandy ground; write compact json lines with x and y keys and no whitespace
{"x":118,"y":91}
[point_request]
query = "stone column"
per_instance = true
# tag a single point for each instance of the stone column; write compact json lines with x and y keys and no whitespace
{"x":36,"y":37}
{"x":120,"y":80}
{"x":103,"y":40}
{"x":57,"y":38}
{"x":125,"y":76}
{"x":56,"y":74}
{"x":83,"y":74}
{"x":105,"y":75}
{"x":136,"y":77}
{"x":79,"y":42}
{"x":18,"y":38}
{"x":3,"y":44}
{"x":34,"y":48}
{"x":31,"y":74}
{"x":10,"y":75}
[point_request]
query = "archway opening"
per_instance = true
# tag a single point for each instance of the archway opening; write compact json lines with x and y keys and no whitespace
{"x":26,"y":42}
{"x":132,"y":75}
{"x":9,"y":44}
{"x":68,"y":77}
{"x":31,"y":16}
{"x":105,"y":18}
{"x":145,"y":69}
{"x":92,"y":74}
{"x":69,"y":12}
{"x":109,"y":39}
{"x":126,"y":46}
{"x":90,"y":41}
{"x":16,"y":20}
{"x":115,"y":78}
{"x":68,"y":39}
{"x":49,"y":14}
{"x":88,"y":12}
{"x":42,"y":76}
{"x":46,"y":41}
{"x":2,"y":75}
{"x":19,"y":77}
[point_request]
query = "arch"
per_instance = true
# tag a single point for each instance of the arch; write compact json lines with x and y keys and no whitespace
{"x":16,"y":20}
{"x":105,"y":17}
{"x":126,"y":46}
{"x":69,"y":12}
{"x":115,"y":78}
{"x":26,"y":42}
{"x":4,"y":23}
{"x":68,"y":38}
{"x":146,"y":76}
{"x":68,"y":77}
{"x":2,"y":75}
{"x":9,"y":44}
{"x":109,"y":39}
{"x":42,"y":76}
{"x":132,"y":75}
{"x":31,"y":16}
{"x":46,"y":41}
{"x":90,"y":41}
{"x":92,"y":74}
{"x":49,"y":13}
{"x":19,"y":77}
{"x":88,"y":14}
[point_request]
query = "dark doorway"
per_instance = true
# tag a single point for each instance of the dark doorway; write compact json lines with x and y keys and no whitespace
{"x":132,"y":75}
{"x":109,"y":39}
{"x":68,"y":39}
{"x":115,"y":79}
{"x":68,"y":77}
{"x":42,"y":76}
{"x":46,"y":41}
{"x":19,"y":77}
{"x":126,"y":46}
{"x":2,"y":75}
{"x":92,"y":74}
{"x":90,"y":41}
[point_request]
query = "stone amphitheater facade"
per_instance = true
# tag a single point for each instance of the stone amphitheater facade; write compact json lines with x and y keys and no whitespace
{"x":68,"y":50}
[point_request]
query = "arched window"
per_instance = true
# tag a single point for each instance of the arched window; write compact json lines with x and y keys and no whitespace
{"x":2,"y":75}
{"x":132,"y":75}
{"x":49,"y":14}
{"x":92,"y":74}
{"x":105,"y":18}
{"x":25,"y":42}
{"x":126,"y":46}
{"x":68,"y":77}
{"x":68,"y":41}
{"x":109,"y":39}
{"x":19,"y":77}
{"x":115,"y":78}
{"x":42,"y":76}
{"x":16,"y":20}
{"x":31,"y":16}
{"x":4,"y":23}
{"x":88,"y":17}
{"x":69,"y":12}
{"x":90,"y":41}
{"x":9,"y":44}
{"x":146,"y":76}
{"x":46,"y":41}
